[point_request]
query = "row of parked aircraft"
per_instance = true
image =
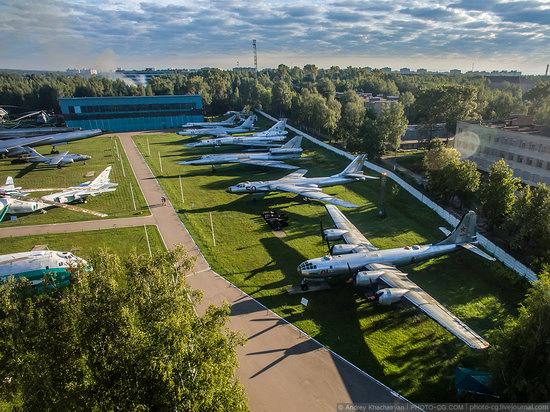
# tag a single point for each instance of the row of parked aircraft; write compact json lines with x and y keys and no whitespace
{"x":14,"y":201}
{"x":357,"y":259}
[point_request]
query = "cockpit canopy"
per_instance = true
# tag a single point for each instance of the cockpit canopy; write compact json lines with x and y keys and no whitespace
{"x":307,"y":266}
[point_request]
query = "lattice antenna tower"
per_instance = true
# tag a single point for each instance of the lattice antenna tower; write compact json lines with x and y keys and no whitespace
{"x":255,"y":51}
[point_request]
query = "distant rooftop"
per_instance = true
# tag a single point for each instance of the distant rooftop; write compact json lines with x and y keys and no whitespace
{"x":519,"y":123}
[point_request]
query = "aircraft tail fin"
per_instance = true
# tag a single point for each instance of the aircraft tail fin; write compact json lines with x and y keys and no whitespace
{"x":465,"y":231}
{"x":249,"y":122}
{"x":102,"y":178}
{"x":10,"y":184}
{"x":278,"y":127}
{"x":231,"y":119}
{"x":293,"y":143}
{"x":355,"y":166}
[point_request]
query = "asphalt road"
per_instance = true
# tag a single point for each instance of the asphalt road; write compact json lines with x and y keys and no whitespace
{"x":281,"y":368}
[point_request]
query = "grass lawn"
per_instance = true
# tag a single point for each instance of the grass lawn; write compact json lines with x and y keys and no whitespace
{"x":84,"y":244}
{"x":398,"y":345}
{"x":412,"y":160}
{"x":103,"y":152}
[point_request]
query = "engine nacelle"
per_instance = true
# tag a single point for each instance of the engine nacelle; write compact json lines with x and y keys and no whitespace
{"x":367,"y":278}
{"x":343,"y":249}
{"x":334,"y":234}
{"x":389,"y":296}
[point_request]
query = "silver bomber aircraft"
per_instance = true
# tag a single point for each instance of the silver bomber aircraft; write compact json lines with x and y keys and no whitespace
{"x":270,"y":138}
{"x":227,"y":122}
{"x":246,"y":127}
{"x":272,"y":158}
{"x":309,"y":188}
{"x":59,"y":160}
{"x":369,"y":266}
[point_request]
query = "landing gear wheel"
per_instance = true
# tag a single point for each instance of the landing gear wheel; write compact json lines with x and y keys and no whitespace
{"x":54,"y":151}
{"x":306,"y":199}
{"x":304,"y":286}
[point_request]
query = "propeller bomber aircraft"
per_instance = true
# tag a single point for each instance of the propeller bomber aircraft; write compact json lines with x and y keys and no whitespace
{"x":367,"y":266}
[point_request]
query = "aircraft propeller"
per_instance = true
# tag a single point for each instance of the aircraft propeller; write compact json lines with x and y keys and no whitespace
{"x":324,"y":237}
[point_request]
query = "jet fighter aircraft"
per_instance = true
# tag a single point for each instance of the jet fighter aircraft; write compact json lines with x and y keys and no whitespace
{"x":368,"y":266}
{"x":227,"y":122}
{"x":269,"y":138}
{"x":309,"y":188}
{"x":59,"y":160}
{"x":272,"y":158}
{"x":75,"y":194}
{"x":245,"y":127}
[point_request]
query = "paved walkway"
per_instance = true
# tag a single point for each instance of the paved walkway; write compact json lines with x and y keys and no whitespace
{"x":281,"y":368}
{"x":76,"y":226}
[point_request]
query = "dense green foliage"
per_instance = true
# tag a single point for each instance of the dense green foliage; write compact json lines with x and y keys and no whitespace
{"x":519,"y":212}
{"x":286,"y":91}
{"x":124,"y":336}
{"x":448,"y":176}
{"x":521,"y":353}
{"x":497,"y":194}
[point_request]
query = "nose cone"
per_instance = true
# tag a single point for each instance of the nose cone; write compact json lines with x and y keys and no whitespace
{"x":229,"y":189}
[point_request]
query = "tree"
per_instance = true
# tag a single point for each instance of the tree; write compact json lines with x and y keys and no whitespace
{"x":326,"y":88}
{"x":371,"y":140}
{"x":439,"y":155}
{"x":408,"y":99}
{"x":448,"y":176}
{"x":352,"y":116}
{"x":161,"y":85}
{"x":542,"y":112}
{"x":392,"y":124}
{"x":497,"y":194}
{"x":529,"y":225}
{"x":282,"y":96}
{"x":125,"y":336}
{"x":521,"y":352}
{"x":449,"y":104}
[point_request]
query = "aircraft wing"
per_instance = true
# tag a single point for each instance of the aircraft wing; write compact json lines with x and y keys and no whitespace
{"x":394,"y":278}
{"x":353,"y":235}
{"x":54,"y":160}
{"x":257,"y":143}
{"x":268,"y":163}
{"x":24,"y":141}
{"x":312,"y":193}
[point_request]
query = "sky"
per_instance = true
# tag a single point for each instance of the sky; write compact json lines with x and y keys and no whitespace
{"x":436,"y":35}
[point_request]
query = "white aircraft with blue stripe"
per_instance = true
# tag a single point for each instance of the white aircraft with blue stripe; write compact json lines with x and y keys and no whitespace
{"x":37,"y":265}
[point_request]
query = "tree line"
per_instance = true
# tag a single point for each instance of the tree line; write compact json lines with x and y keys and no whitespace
{"x":323,"y":100}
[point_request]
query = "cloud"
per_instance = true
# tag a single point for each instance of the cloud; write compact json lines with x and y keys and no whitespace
{"x":57,"y":34}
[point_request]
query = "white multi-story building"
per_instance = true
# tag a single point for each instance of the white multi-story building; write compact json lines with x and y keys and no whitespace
{"x":525,"y":148}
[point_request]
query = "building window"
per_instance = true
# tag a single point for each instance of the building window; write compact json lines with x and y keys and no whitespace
{"x":539,"y":164}
{"x":519,"y":159}
{"x":501,"y":154}
{"x":510,"y":156}
{"x":529,"y":161}
{"x":522,"y":144}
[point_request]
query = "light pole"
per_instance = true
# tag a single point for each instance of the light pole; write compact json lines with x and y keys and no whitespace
{"x":382,"y":211}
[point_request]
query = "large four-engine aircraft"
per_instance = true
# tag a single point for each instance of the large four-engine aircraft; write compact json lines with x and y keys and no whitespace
{"x":368,"y":266}
{"x":309,"y":188}
{"x":246,"y":127}
{"x":270,"y":138}
{"x":273,"y":158}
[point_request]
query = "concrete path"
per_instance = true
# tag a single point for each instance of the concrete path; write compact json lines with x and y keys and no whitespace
{"x":280,"y":367}
{"x":76,"y":226}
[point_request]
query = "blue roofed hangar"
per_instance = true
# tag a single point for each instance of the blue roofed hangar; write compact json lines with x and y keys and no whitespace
{"x":131,"y":113}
